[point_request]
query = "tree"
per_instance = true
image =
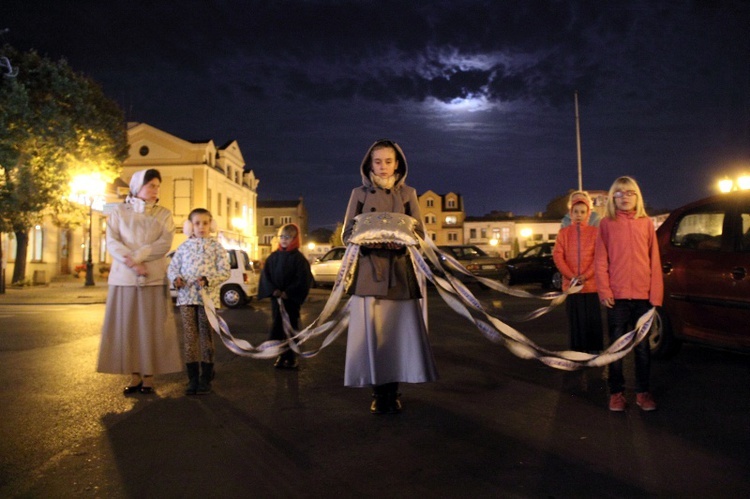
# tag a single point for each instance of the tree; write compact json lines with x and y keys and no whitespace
{"x":321,"y":235}
{"x":54,"y":124}
{"x":336,"y":236}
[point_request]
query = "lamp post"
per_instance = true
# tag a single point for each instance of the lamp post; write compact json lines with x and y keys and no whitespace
{"x":84,"y":189}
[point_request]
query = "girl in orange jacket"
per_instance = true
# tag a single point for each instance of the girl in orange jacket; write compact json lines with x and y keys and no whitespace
{"x":629,"y":282}
{"x":574,"y":258}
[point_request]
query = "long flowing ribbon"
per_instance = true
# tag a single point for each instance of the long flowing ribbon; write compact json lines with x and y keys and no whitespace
{"x":455,"y":294}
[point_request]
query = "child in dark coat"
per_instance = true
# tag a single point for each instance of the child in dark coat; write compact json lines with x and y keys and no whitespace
{"x":286,"y":274}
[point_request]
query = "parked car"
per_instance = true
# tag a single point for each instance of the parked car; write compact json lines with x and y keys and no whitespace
{"x":705,"y":256}
{"x":326,"y":268}
{"x":242,"y":284}
{"x":477,"y":262}
{"x":535,"y":265}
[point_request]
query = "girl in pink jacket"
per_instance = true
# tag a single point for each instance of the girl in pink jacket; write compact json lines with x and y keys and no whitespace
{"x":574,"y":258}
{"x":629,"y":282}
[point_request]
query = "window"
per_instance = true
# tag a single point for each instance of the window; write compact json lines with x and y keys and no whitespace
{"x":430,"y":202}
{"x":268,"y":222}
{"x":496,"y":234}
{"x":286,"y":220}
{"x":505,"y":238}
{"x":483,"y":233}
{"x":208,"y":199}
{"x":551,"y":237}
{"x":700,"y":230}
{"x":37,"y":243}
{"x":450,"y":202}
{"x":432,"y":235}
{"x":268,"y":238}
{"x":183,"y":197}
{"x":229,"y":208}
{"x":430,"y":219}
{"x":472,"y":233}
{"x":450,"y":220}
{"x":143,"y":151}
{"x":218,"y":204}
{"x":452,"y":236}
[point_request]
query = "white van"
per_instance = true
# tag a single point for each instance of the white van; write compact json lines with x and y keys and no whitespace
{"x":242,"y":285}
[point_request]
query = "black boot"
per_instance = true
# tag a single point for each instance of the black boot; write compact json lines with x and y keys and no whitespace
{"x":287,"y":360}
{"x":193,"y":372}
{"x":379,"y":403}
{"x":207,"y":375}
{"x":393,"y":404}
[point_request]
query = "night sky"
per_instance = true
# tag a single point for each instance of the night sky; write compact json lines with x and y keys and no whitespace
{"x":480,"y":94}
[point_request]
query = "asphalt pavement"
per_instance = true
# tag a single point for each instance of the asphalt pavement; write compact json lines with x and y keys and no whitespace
{"x":492,"y":426}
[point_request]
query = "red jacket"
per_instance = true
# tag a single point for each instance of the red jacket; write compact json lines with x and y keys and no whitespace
{"x":628,"y":266}
{"x":574,"y":255}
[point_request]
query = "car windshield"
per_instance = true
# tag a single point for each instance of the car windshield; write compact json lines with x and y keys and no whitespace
{"x":336,"y":254}
{"x":464,"y":252}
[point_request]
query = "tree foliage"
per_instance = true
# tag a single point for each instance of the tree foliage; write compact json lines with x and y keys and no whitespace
{"x":54,"y":124}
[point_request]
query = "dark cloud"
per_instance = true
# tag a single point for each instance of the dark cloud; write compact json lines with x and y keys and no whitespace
{"x":480,"y":93}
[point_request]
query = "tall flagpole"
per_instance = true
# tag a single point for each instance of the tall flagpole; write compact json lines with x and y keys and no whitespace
{"x":578,"y":143}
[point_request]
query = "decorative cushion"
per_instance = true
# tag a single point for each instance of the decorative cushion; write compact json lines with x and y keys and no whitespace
{"x":384,"y":227}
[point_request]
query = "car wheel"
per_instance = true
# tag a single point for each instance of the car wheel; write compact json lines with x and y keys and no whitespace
{"x":661,"y":340}
{"x":232,"y":296}
{"x":557,"y":281}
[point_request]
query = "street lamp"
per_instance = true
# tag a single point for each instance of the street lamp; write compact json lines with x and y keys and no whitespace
{"x":85,"y":189}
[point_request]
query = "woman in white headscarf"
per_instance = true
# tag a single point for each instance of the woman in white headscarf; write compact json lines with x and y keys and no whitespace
{"x":139,"y":336}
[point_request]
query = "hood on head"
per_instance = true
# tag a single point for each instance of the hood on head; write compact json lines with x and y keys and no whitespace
{"x":366,"y":166}
{"x":580,"y":197}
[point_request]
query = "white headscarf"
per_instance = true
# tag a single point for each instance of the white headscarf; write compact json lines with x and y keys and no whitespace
{"x":136,"y":182}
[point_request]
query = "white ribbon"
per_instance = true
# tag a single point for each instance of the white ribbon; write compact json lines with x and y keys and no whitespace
{"x":455,"y":294}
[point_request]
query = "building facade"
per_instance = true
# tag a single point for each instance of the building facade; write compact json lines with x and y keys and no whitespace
{"x":443,"y":217}
{"x":194,"y":174}
{"x":198,"y":174}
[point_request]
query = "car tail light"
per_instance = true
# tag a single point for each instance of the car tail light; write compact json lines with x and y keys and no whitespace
{"x":472,"y":267}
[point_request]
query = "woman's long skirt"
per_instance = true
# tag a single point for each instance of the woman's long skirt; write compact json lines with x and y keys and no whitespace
{"x":387,"y":342}
{"x":139,"y":334}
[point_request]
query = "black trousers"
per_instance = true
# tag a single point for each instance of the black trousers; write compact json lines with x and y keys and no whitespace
{"x":622,"y":318}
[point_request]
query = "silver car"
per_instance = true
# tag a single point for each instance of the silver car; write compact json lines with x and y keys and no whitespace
{"x":325,"y":269}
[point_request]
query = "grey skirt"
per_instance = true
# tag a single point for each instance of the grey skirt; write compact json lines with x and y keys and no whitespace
{"x":139,"y":334}
{"x":387,"y":342}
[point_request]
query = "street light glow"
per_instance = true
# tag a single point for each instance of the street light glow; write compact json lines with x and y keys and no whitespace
{"x":85,"y":189}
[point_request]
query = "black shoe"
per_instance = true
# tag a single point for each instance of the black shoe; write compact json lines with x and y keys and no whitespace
{"x":378,"y":405}
{"x":147,"y":390}
{"x":286,"y":363}
{"x":132,"y":389}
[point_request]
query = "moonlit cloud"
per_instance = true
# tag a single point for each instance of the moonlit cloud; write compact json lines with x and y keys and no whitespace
{"x":479,"y":92}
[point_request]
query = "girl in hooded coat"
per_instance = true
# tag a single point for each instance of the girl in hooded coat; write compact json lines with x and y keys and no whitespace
{"x":286,"y":275}
{"x":574,"y":258}
{"x":139,"y":335}
{"x":387,"y":340}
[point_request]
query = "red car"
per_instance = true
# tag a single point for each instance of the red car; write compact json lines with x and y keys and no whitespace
{"x":705,"y":255}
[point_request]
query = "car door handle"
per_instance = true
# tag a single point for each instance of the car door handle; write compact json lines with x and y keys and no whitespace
{"x":666,"y":268}
{"x":738,"y":273}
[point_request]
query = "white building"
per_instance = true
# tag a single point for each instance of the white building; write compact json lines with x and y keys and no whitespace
{"x":199,"y":175}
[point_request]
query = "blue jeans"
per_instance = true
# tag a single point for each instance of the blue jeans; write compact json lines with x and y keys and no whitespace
{"x":621,"y":318}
